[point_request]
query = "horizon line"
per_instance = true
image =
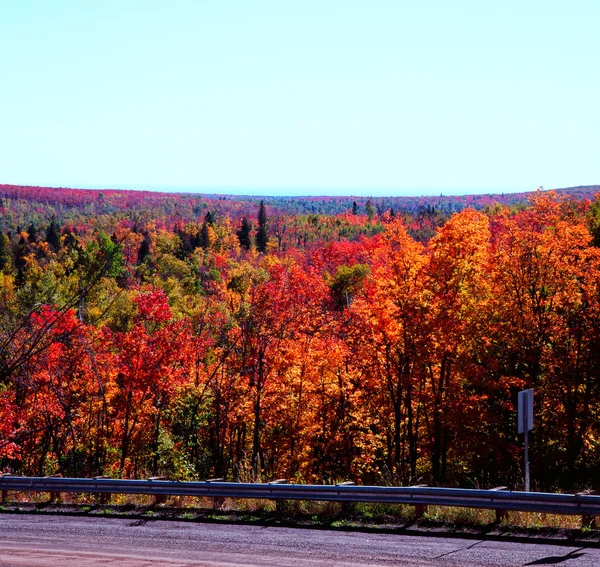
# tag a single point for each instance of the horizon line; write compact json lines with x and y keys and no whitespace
{"x":301,"y":191}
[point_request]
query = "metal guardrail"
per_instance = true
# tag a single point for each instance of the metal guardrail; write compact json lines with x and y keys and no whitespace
{"x":500,"y":500}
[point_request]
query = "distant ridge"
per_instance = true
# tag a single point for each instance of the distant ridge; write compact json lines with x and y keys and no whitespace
{"x":27,"y":191}
{"x":73,"y":198}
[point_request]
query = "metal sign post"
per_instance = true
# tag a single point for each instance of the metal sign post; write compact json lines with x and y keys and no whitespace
{"x":525,"y":420}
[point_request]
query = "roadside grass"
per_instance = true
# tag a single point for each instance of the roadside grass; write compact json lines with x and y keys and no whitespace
{"x":516,"y":520}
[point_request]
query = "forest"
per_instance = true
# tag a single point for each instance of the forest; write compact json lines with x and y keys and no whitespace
{"x":382,"y":341}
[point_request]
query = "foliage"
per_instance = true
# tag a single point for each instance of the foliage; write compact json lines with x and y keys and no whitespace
{"x":262,"y":237}
{"x":369,"y":345}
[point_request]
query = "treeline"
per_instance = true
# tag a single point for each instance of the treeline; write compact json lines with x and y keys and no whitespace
{"x":21,"y":206}
{"x":206,"y":349}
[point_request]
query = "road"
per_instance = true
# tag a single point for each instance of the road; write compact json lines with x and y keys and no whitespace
{"x":67,"y":541}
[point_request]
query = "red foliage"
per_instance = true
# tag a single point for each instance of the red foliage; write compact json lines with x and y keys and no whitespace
{"x":153,"y":306}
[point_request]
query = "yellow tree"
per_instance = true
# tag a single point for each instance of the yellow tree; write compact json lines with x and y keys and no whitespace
{"x":457,"y":290}
{"x":385,"y":330}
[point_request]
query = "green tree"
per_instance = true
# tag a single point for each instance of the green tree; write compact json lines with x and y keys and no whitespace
{"x":243,"y":234}
{"x":370,"y":209}
{"x":347,"y":281}
{"x":262,"y":238}
{"x":53,"y":235}
{"x":594,"y":221}
{"x":20,"y":252}
{"x":32,"y":232}
{"x":205,"y":234}
{"x":144,"y":250}
{"x":3,"y":252}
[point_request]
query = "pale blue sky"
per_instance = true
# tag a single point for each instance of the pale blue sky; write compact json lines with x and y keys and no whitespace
{"x":280,"y":97}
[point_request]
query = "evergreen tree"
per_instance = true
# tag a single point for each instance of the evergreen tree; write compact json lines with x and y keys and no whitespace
{"x":20,"y":279}
{"x":209,"y":218}
{"x":354,"y":208}
{"x":144,"y":250}
{"x":187,"y":242}
{"x":3,"y":252}
{"x":32,"y":232}
{"x":370,"y":209}
{"x":198,"y":240}
{"x":20,"y":253}
{"x":204,"y":234}
{"x":70,"y":240}
{"x":243,"y":234}
{"x":53,"y":235}
{"x":262,"y":238}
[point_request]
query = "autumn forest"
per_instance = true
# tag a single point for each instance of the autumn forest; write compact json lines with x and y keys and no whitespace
{"x":372,"y":340}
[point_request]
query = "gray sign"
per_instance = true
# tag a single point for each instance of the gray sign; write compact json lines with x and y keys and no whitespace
{"x":525,"y":413}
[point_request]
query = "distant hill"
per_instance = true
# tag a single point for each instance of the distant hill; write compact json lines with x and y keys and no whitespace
{"x":411,"y":205}
{"x":25,"y":204}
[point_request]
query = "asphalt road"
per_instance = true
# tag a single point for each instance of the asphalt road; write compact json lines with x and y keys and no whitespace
{"x":67,"y":541}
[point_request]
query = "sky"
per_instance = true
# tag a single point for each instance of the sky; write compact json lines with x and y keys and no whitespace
{"x":300,"y":97}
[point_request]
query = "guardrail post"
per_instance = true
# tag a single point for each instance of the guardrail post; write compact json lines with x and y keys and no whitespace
{"x":159,"y":498}
{"x":218,"y":501}
{"x":55,"y":496}
{"x":4,"y":492}
{"x":420,"y":509}
{"x":347,"y":507}
{"x":103,"y":497}
{"x":500,"y":514}
{"x":587,"y":520}
{"x":279,"y":503}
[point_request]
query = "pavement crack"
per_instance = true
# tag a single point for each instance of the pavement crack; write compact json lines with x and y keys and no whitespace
{"x":474,"y":544}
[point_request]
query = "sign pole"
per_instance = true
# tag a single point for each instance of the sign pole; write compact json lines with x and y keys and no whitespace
{"x":525,"y":425}
{"x":527,"y":483}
